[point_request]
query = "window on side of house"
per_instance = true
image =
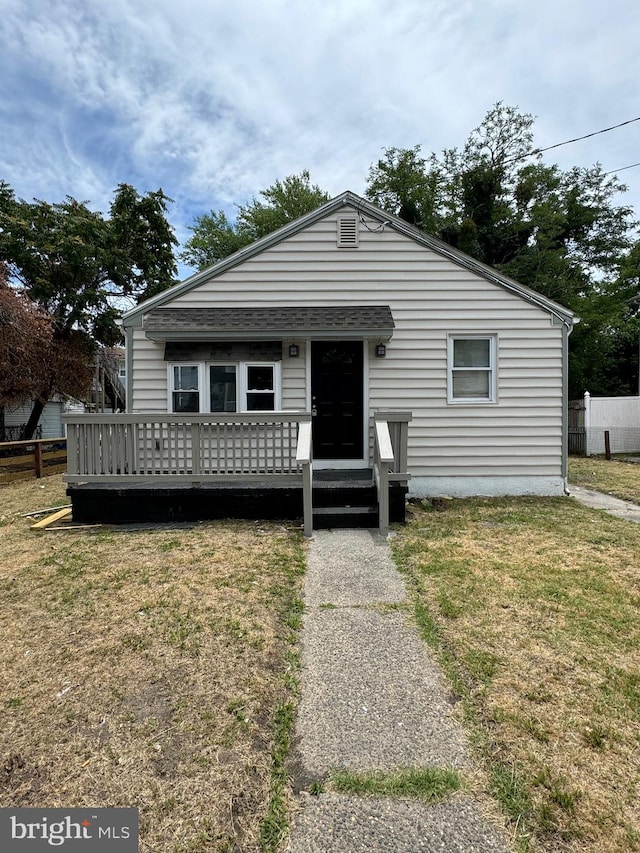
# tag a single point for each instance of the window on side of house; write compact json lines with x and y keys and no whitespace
{"x":472,"y":369}
{"x":185,"y":388}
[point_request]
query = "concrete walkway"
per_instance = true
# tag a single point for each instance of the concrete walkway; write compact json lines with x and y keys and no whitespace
{"x":614,"y":506}
{"x":372,"y":698}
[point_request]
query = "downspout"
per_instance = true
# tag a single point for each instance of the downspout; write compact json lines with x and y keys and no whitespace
{"x":567,"y":328}
{"x":128,"y":354}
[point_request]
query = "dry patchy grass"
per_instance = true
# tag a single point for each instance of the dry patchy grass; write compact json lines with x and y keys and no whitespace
{"x":616,"y":477}
{"x":533,"y":607}
{"x":144,"y":668}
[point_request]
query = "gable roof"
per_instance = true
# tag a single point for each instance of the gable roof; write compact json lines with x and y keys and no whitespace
{"x":364,"y":207}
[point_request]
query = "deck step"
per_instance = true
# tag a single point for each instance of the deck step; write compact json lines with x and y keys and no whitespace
{"x":325,"y":517}
{"x":345,"y":496}
{"x":344,"y":489}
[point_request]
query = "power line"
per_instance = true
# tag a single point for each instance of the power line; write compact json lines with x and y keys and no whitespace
{"x":536,"y":151}
{"x":576,"y":139}
{"x":613,"y":171}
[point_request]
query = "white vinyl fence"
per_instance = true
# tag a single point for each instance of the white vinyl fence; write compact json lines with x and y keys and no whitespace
{"x":619,"y":416}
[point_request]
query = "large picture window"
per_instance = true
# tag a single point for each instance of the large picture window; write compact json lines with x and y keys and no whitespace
{"x":225,"y":388}
{"x":472,"y":369}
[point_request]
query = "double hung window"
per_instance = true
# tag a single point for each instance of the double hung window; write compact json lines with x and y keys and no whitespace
{"x":185,"y":390}
{"x":260,"y":388}
{"x":472,"y":369}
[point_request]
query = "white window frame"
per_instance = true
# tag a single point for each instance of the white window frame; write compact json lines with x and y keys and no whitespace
{"x":491,"y":369}
{"x":242,"y":375}
{"x":207,"y":384}
{"x":171,"y":384}
{"x":245,"y":390}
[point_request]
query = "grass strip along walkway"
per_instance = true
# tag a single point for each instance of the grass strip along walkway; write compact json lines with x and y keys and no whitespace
{"x":149,"y":668}
{"x":531,"y":606}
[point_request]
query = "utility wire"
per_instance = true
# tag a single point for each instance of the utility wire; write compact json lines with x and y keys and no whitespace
{"x":613,"y":171}
{"x":558,"y":145}
{"x":576,"y":139}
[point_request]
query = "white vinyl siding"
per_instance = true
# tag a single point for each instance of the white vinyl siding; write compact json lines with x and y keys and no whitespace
{"x":149,"y":375}
{"x":294,"y":377}
{"x":430,"y":297}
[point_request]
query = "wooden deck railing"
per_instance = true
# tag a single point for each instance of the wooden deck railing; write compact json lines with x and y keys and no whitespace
{"x":192,"y":448}
{"x":390,"y":436}
{"x":304,"y":459}
{"x":132,"y":447}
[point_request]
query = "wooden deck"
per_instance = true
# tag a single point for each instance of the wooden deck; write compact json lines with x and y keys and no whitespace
{"x":152,"y":467}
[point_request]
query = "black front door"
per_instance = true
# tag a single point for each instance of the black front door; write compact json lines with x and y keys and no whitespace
{"x":336,"y":399}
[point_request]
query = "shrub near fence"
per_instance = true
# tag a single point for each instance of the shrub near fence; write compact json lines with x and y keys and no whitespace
{"x":21,"y":460}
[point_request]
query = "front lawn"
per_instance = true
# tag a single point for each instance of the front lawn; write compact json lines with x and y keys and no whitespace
{"x":148,"y":668}
{"x":532,"y":607}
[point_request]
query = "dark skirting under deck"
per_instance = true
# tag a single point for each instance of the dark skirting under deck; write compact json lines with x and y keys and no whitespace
{"x":337,"y":496}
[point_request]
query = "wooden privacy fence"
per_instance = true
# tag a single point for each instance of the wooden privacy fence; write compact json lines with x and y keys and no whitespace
{"x":577,"y":440}
{"x":22,"y":460}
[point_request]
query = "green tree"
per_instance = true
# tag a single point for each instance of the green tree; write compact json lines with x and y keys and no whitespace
{"x":79,"y":266}
{"x":142,"y":244}
{"x":214,"y":237}
{"x":402,"y":183}
{"x":562,"y":233}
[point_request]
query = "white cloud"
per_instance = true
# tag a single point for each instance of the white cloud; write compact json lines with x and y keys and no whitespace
{"x":213,"y":101}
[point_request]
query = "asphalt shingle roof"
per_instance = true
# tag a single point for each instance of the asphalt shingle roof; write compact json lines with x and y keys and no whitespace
{"x":358,"y":319}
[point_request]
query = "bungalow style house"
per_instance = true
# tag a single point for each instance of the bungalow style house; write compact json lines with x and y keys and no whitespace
{"x":323,"y":373}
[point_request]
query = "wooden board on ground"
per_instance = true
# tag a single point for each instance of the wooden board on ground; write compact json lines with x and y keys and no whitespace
{"x":51,"y":519}
{"x":44,"y":511}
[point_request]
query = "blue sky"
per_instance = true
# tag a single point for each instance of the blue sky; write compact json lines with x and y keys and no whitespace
{"x":214,"y":100}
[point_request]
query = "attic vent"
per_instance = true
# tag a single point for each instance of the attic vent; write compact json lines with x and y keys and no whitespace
{"x":347,"y":232}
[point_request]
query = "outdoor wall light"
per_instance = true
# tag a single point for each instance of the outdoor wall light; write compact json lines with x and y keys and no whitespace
{"x":294,"y":350}
{"x":381,"y":350}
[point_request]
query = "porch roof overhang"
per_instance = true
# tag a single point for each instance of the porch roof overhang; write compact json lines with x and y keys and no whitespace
{"x":269,"y":323}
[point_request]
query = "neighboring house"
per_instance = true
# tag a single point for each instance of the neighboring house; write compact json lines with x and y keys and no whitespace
{"x":369,"y":328}
{"x":49,"y":426}
{"x":107,"y":394}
